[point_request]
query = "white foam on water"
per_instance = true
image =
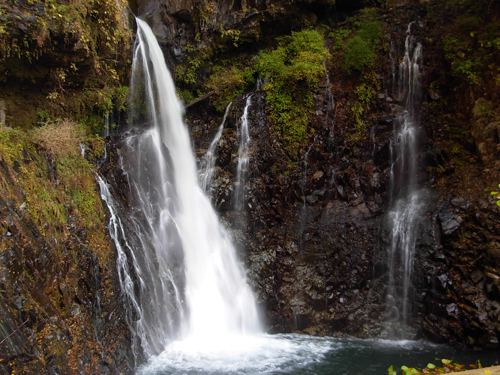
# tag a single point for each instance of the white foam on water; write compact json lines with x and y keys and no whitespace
{"x":243,"y":355}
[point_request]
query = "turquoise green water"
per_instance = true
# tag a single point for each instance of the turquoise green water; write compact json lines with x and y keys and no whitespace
{"x":299,"y":354}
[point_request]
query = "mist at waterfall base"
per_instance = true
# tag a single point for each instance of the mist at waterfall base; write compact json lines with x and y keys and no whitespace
{"x":301,"y":354}
{"x":188,"y":305}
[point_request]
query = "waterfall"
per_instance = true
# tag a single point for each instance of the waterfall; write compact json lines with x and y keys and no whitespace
{"x":243,"y":158}
{"x":117,"y":233}
{"x":207,"y":166}
{"x":181,"y":276}
{"x":407,"y":201}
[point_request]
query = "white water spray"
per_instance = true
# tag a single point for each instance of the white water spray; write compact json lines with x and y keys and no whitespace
{"x":243,"y":158}
{"x":407,"y":198}
{"x":189,"y":285}
{"x":207,"y":167}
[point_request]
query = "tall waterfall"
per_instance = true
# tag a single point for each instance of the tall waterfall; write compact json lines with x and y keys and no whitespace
{"x":183,"y":279}
{"x":406,"y":198}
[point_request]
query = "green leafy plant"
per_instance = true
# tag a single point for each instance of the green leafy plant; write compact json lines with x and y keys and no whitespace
{"x":360,"y":106}
{"x":339,"y":36}
{"x":187,"y":72}
{"x":473,"y":43}
{"x":185,"y":96}
{"x":229,"y":82}
{"x":496,"y":195}
{"x":447,"y":366}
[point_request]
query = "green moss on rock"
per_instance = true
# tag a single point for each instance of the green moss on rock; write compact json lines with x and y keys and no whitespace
{"x":292,"y":70}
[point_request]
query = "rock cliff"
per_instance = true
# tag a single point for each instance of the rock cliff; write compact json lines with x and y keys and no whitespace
{"x":314,"y":233}
{"x":60,"y":300}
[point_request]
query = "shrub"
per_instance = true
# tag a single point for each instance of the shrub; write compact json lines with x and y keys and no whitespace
{"x":471,"y":46}
{"x":228,"y":82}
{"x":338,"y":37}
{"x":62,"y":138}
{"x":371,"y":31}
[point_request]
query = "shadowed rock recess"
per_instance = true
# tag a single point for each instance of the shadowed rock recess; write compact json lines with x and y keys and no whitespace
{"x":313,"y":232}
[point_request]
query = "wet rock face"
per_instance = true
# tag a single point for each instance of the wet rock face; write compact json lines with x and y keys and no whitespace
{"x":314,"y":236}
{"x":458,"y":284}
{"x":315,"y":239}
{"x":60,"y":304}
{"x":309,"y":229}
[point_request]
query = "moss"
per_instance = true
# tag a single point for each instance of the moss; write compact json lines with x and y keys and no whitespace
{"x":292,"y":70}
{"x":56,"y":180}
{"x":228,"y":83}
{"x":11,"y":144}
{"x":360,"y":52}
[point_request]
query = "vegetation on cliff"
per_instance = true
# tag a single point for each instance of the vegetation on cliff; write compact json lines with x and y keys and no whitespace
{"x":56,"y":257}
{"x":68,"y":59}
{"x":359,"y":51}
{"x":63,"y":67}
{"x":340,"y":173}
{"x":291,"y":67}
{"x":291,"y":71}
{"x":464,"y":97}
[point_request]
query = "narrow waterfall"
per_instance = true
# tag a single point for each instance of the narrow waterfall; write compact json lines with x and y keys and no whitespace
{"x":406,"y":198}
{"x":243,"y":158}
{"x":207,"y":167}
{"x":181,"y":277}
{"x":117,"y":231}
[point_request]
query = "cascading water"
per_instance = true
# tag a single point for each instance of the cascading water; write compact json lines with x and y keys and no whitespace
{"x":406,"y":197}
{"x":243,"y":158}
{"x":188,"y":306}
{"x":207,"y":167}
{"x":190,"y":285}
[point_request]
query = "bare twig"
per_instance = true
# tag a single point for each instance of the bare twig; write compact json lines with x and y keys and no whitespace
{"x":17,"y":329}
{"x":200,"y":99}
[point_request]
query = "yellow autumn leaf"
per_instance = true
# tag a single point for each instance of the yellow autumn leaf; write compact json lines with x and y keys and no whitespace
{"x":487,"y":371}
